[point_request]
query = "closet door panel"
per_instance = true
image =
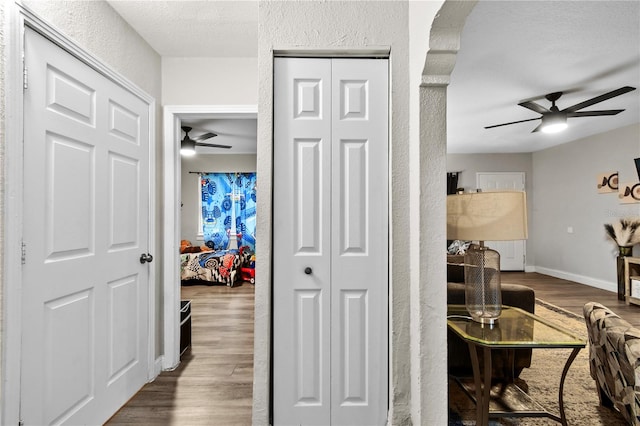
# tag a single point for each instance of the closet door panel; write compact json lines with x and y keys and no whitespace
{"x":301,"y":241}
{"x":330,"y":250}
{"x":359,"y":255}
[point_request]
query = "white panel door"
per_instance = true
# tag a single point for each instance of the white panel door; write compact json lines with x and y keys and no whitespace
{"x":512,"y":253}
{"x":330,"y":241}
{"x":301,"y":239}
{"x":85,"y":292}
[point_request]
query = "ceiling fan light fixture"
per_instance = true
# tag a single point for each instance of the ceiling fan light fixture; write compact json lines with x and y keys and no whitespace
{"x":187,"y":147}
{"x":553,"y":123}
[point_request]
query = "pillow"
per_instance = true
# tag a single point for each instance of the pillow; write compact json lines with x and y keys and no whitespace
{"x":183,"y":244}
{"x":458,"y":247}
{"x":190,"y":249}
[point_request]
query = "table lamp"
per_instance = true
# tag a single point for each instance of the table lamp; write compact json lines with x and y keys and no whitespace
{"x":481,"y":216}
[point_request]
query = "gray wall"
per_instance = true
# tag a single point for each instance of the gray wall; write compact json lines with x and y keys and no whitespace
{"x":209,"y":81}
{"x":469,"y":164}
{"x":565,"y":195}
{"x":562,"y":194}
{"x":190,"y":193}
{"x":3,"y":37}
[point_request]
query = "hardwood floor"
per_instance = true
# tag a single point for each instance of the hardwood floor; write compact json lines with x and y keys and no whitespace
{"x":572,"y":296}
{"x":213,"y":384}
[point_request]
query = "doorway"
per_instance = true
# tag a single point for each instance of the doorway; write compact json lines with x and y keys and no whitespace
{"x":512,"y":253}
{"x":174,"y":116}
{"x":83,"y":332}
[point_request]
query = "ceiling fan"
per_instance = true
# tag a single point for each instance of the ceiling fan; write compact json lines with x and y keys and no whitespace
{"x":188,"y":145}
{"x":555,"y":120}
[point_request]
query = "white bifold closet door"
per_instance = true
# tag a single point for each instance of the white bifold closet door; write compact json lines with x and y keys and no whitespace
{"x":330,"y":224}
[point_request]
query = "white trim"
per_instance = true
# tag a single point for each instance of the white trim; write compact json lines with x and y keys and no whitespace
{"x":524,"y":183}
{"x":17,"y":17}
{"x":66,"y":43}
{"x":172,"y":116}
{"x":157,"y":366}
{"x":383,"y":52}
{"x":200,"y":233}
{"x":151,"y":244}
{"x":593,"y":282}
{"x":12,"y":211}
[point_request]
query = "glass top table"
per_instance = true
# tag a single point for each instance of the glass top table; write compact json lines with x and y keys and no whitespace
{"x":515,"y":329}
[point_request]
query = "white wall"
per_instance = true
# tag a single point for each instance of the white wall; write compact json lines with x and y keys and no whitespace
{"x":96,"y":27}
{"x":469,"y":164}
{"x":209,"y":81}
{"x":222,"y":163}
{"x":343,"y":25}
{"x":565,"y":195}
{"x":3,"y":37}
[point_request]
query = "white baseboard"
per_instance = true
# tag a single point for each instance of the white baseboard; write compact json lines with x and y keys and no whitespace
{"x":603,"y":285}
{"x":157,"y":366}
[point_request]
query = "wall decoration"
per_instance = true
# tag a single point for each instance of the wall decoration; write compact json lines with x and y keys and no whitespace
{"x":629,"y":193}
{"x":607,"y":182}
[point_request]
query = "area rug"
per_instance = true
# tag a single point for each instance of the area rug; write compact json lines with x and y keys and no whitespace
{"x":542,"y":379}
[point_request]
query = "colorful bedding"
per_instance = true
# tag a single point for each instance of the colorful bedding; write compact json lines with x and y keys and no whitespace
{"x":214,"y":266}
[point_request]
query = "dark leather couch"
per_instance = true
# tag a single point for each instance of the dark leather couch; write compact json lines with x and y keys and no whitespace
{"x":459,"y":361}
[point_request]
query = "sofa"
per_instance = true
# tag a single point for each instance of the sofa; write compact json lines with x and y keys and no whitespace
{"x":614,"y":360}
{"x":459,"y":360}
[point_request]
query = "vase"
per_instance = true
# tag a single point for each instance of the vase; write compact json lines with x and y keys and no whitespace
{"x":483,"y":296}
{"x":623,"y":251}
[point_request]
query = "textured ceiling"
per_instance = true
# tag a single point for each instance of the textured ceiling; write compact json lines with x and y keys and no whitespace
{"x":511,"y":51}
{"x":184,"y":28}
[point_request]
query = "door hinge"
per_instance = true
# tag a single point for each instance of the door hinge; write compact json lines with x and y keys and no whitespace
{"x":25,"y":75}
{"x":23,"y":255}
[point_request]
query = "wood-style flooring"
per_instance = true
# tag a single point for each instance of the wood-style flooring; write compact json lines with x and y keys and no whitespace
{"x":572,"y":296}
{"x":213,"y":384}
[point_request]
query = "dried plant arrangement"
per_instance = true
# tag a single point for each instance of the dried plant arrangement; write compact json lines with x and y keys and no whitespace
{"x":625,"y":232}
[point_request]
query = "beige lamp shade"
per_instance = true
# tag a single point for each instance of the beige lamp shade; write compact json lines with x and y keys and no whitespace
{"x":487,"y":216}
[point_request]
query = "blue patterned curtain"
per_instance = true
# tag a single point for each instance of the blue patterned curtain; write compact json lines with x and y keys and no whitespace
{"x":225,"y":196}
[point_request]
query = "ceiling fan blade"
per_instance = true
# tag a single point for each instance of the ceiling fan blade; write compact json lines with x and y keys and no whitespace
{"x":513,"y":122}
{"x":537,"y":129}
{"x":589,"y":102}
{"x":213,"y":145}
{"x":534,"y":107}
{"x":205,"y":137}
{"x":594,"y":113}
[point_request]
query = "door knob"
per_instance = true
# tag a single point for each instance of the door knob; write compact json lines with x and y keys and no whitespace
{"x":146,"y":257}
{"x":308,"y":270}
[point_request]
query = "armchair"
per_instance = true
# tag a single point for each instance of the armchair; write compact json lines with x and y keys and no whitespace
{"x":614,"y":360}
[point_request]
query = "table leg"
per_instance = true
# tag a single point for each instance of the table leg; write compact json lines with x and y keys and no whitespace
{"x":563,"y":418}
{"x":482,"y":384}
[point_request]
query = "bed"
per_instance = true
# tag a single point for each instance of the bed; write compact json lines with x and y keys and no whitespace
{"x":213,"y":266}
